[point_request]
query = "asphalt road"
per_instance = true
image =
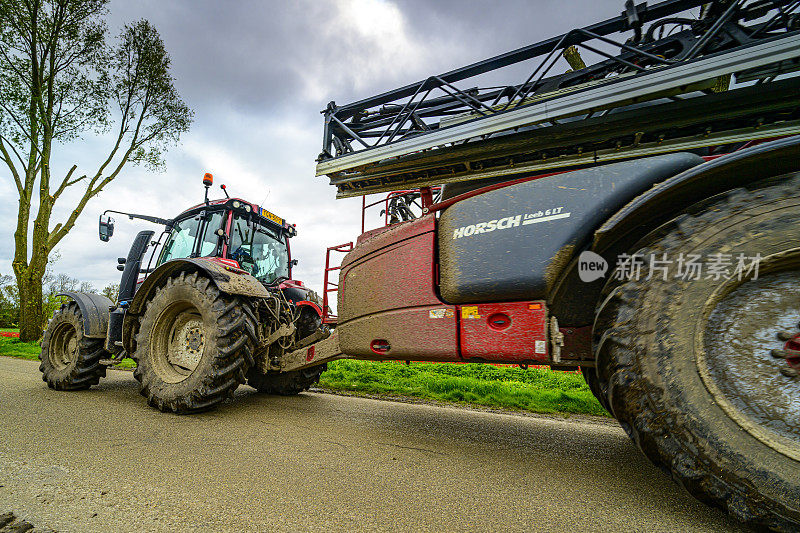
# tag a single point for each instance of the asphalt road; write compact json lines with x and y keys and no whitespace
{"x":102,"y":460}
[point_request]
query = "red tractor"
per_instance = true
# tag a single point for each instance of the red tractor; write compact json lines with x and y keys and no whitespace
{"x":217,"y":307}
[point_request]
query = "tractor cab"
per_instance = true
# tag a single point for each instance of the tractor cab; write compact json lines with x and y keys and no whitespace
{"x":230,"y":232}
{"x":235,"y":232}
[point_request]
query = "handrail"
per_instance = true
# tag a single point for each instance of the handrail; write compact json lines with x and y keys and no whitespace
{"x":328,"y":286}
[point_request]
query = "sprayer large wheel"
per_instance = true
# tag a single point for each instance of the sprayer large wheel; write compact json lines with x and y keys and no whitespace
{"x":701,"y":373}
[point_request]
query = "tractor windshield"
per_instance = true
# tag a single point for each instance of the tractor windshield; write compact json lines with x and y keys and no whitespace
{"x":259,"y":250}
{"x":183,"y":241}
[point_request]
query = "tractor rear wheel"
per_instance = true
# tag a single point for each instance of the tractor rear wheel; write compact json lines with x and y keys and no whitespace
{"x":70,"y":361}
{"x":194,"y":345}
{"x":702,"y":373}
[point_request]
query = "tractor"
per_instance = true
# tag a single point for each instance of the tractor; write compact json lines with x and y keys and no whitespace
{"x":214,"y":306}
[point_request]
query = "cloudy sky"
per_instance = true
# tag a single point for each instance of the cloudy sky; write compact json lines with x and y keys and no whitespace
{"x":257,"y":73}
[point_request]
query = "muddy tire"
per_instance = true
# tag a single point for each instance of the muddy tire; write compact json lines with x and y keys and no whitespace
{"x":70,"y":361}
{"x":194,"y":345}
{"x":590,"y":377}
{"x":686,"y":365}
{"x":285,"y":383}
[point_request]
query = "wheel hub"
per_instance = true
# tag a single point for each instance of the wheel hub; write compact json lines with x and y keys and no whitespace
{"x":757,"y":387}
{"x":178,"y":341}
{"x":63,"y":346}
{"x":790,"y":352}
{"x":187,"y":344}
{"x":71,"y":353}
{"x":194,"y":340}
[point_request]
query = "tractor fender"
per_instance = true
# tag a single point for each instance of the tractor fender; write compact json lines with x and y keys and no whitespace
{"x":664,"y":201}
{"x":312,"y":305}
{"x":227,"y":279}
{"x":95,"y":311}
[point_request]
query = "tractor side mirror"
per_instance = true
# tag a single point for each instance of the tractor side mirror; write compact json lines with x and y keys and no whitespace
{"x":106,"y":228}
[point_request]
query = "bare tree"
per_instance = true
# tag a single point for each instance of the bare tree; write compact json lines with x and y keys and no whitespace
{"x":111,"y":291}
{"x":58,"y":80}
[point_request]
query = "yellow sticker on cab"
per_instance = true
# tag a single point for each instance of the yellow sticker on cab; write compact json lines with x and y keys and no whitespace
{"x":272,"y":216}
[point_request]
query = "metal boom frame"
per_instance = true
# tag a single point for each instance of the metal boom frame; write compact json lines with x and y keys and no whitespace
{"x":432,"y":132}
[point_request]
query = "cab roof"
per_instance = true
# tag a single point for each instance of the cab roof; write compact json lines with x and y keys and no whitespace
{"x":263,"y":215}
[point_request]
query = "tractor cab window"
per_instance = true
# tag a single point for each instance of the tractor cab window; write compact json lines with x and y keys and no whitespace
{"x":210,"y":240}
{"x":183,"y":237}
{"x":180,"y":242}
{"x":259,"y":250}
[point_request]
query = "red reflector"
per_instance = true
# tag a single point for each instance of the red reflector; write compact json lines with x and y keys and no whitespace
{"x":499,"y":321}
{"x":310,"y":353}
{"x":380,"y":346}
{"x":229,"y":262}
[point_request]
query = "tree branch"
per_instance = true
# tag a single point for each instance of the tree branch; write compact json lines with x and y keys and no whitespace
{"x":16,"y":153}
{"x":66,"y":182}
{"x":20,"y":75}
{"x":15,"y":118}
{"x":11,"y":166}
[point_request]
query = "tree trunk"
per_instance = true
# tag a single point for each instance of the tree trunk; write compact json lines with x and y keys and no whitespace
{"x":31,"y":321}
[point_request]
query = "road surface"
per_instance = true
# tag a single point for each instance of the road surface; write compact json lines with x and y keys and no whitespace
{"x":102,"y":460}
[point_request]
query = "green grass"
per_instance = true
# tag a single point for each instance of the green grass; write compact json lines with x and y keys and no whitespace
{"x":12,"y":347}
{"x":538,"y":390}
{"x":127,"y":364}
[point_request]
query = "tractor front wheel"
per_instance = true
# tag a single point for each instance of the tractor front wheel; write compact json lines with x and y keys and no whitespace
{"x":70,"y":361}
{"x":194,"y":345}
{"x":285,"y":383}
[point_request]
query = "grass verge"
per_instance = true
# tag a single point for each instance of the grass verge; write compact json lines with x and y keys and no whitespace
{"x":12,"y":347}
{"x":538,"y":390}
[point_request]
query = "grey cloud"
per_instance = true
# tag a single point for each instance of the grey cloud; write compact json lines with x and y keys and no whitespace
{"x":239,"y":53}
{"x":259,"y":55}
{"x":257,"y":75}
